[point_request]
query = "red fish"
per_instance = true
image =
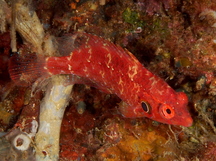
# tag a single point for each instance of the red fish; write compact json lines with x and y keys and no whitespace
{"x":115,"y":70}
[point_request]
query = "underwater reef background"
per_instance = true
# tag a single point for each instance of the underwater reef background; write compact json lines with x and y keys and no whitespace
{"x":174,"y":39}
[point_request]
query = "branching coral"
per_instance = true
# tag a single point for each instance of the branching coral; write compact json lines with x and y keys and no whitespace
{"x":51,"y":114}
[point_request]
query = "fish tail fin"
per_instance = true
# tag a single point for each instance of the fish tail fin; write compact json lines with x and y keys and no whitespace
{"x":24,"y":70}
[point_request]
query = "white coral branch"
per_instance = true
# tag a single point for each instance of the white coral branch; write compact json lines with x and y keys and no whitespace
{"x":51,"y":114}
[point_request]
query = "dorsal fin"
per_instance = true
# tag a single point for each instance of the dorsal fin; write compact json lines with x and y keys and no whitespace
{"x":117,"y":47}
{"x":70,"y":42}
{"x":131,"y":55}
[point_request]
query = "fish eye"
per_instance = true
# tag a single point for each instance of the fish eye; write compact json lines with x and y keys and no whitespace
{"x":167,"y":111}
{"x":145,"y":106}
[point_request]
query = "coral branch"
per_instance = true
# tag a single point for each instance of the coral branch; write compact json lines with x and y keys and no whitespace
{"x":51,"y":114}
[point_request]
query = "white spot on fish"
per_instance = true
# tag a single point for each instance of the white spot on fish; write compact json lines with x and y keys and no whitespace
{"x":90,"y":55}
{"x":153,"y":82}
{"x":121,"y":90}
{"x":147,"y":73}
{"x":69,"y":67}
{"x":70,"y":57}
{"x":87,"y":46}
{"x":85,"y":69}
{"x":102,"y":73}
{"x":109,"y":60}
{"x":132,"y":71}
{"x":90,"y":51}
{"x":120,"y":81}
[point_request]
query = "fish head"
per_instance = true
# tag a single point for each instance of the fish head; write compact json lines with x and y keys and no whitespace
{"x":173,"y":111}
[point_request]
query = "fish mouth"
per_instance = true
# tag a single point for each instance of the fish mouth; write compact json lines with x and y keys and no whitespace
{"x":187,"y":122}
{"x":184,"y":121}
